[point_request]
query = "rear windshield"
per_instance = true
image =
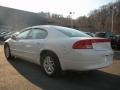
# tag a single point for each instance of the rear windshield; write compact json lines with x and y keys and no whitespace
{"x":71,"y":32}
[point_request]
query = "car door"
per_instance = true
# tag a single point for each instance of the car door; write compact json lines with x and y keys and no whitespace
{"x":18,"y":44}
{"x":35,"y":41}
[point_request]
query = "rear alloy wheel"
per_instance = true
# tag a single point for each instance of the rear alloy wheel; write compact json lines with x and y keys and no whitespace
{"x":7,"y":52}
{"x":51,"y":65}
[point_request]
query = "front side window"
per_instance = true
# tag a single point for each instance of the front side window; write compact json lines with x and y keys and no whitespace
{"x":23,"y":35}
{"x":38,"y":34}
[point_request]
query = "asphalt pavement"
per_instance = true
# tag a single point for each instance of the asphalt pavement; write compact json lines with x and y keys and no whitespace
{"x":21,"y":75}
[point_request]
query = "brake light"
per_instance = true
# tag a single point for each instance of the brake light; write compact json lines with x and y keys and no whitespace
{"x":83,"y":44}
{"x":87,"y":44}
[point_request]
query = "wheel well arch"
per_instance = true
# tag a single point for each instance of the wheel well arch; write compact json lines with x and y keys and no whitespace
{"x":47,"y":51}
{"x":6,"y":44}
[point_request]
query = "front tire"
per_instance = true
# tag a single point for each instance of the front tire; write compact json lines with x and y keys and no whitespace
{"x":7,"y":52}
{"x":51,"y":65}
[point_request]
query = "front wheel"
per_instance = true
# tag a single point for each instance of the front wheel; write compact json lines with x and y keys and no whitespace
{"x":50,"y":64}
{"x":7,"y":51}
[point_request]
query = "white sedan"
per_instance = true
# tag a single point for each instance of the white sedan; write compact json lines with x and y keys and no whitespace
{"x":58,"y":49}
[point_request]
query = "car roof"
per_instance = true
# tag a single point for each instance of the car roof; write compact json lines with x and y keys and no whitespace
{"x":46,"y":26}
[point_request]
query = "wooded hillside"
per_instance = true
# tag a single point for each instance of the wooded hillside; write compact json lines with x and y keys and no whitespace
{"x":99,"y":20}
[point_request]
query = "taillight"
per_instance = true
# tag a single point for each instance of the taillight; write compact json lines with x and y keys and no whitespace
{"x":87,"y":44}
{"x":83,"y":44}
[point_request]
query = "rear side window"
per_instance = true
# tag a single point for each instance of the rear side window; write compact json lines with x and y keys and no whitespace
{"x":71,"y":32}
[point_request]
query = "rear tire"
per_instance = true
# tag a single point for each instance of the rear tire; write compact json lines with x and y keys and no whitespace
{"x":50,"y":64}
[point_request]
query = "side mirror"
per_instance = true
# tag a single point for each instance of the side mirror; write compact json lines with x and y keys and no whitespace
{"x":13,"y":37}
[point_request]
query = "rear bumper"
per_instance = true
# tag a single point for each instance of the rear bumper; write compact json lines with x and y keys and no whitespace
{"x":83,"y":60}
